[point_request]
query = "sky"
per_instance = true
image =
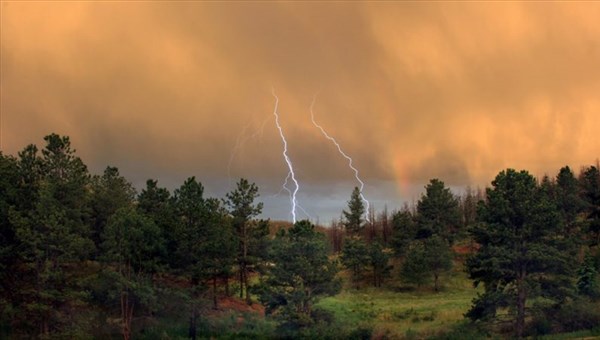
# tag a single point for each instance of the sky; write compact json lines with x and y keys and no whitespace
{"x":410,"y":90}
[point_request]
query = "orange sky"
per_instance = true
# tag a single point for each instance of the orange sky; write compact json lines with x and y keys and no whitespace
{"x":411,"y":90}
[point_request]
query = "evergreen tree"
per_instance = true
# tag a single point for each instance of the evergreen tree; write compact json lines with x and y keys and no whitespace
{"x":133,"y":248}
{"x":355,"y":254}
{"x":521,"y":254}
{"x":157,"y":204}
{"x":587,"y":278}
{"x":379,"y":263}
{"x":190,"y":208}
{"x":427,"y":259}
{"x":355,"y":257}
{"x":437,"y":212}
{"x":405,"y":231}
{"x":590,"y":189}
{"x":568,"y":199}
{"x":110,"y":192}
{"x":301,"y":274}
{"x":217,"y":246}
{"x":9,"y":247}
{"x":53,"y":234}
{"x":438,"y":258}
{"x":242,"y":210}
{"x":414,"y":268}
{"x":354,"y":216}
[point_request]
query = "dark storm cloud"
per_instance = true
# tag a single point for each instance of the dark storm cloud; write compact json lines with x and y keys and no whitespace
{"x":411,"y":90}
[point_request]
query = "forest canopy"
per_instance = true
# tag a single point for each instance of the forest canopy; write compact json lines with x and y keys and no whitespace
{"x":86,"y":255}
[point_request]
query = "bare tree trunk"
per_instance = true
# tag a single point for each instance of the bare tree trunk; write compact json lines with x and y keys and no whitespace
{"x":214,"y":292}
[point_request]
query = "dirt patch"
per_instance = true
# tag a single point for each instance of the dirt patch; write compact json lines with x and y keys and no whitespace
{"x":228,"y":304}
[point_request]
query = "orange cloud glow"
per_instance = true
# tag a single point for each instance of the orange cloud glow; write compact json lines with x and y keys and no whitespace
{"x":412,"y":91}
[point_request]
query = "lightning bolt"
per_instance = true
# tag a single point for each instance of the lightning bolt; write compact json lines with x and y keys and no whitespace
{"x":284,"y":187}
{"x":362,"y":184}
{"x":287,"y":160}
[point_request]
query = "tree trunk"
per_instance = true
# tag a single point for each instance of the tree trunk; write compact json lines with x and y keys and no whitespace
{"x":193,"y":322}
{"x":214,"y":292}
{"x":245,"y":268}
{"x":241,"y":269}
{"x":374,"y":277}
{"x":435,"y":281}
{"x":227,"y":285}
{"x":126,"y":315}
{"x":521,"y":299}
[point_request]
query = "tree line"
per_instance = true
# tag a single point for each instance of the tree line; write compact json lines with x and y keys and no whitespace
{"x":532,"y":244}
{"x":83,"y":253}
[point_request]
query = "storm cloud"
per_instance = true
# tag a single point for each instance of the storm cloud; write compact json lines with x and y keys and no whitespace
{"x":412,"y":91}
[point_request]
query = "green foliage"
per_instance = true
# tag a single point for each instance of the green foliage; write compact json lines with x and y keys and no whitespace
{"x":379,"y":263}
{"x":49,"y":219}
{"x":242,"y":210}
{"x":132,"y":242}
{"x":82,"y":257}
{"x":522,"y":253}
{"x":405,"y":231}
{"x":133,"y":248}
{"x":427,"y":259}
{"x":157,"y":204}
{"x":241,"y":202}
{"x":190,"y":209}
{"x":438,"y":258}
{"x":301,"y":274}
{"x":590,"y":188}
{"x":355,"y":257}
{"x":109,"y":193}
{"x":568,"y":200}
{"x":573,"y":315}
{"x":354,"y":216}
{"x":9,"y":255}
{"x":462,"y":330}
{"x":587,"y":278}
{"x":437,"y":212}
{"x":414,"y":269}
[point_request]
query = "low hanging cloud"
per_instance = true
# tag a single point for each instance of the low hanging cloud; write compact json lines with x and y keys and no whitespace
{"x":411,"y":91}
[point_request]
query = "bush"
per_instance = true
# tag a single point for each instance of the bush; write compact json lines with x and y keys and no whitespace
{"x":574,"y":316}
{"x":464,"y":330}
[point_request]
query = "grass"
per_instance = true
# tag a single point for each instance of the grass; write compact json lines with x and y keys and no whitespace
{"x":399,"y":311}
{"x":587,"y":334}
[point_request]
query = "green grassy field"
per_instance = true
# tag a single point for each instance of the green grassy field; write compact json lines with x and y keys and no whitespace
{"x":400,"y":311}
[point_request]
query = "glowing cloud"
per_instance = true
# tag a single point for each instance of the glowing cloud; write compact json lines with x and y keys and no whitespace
{"x":362,"y":184}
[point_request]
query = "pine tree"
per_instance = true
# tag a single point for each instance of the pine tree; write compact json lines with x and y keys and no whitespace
{"x":301,"y":274}
{"x":133,"y":248}
{"x":50,"y":220}
{"x":522,"y":247}
{"x":110,"y":192}
{"x":242,"y":210}
{"x":354,"y":222}
{"x":437,"y":212}
{"x":355,"y":257}
{"x":379,"y":258}
{"x":405,"y":231}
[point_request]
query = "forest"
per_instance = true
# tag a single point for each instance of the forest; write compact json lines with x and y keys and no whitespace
{"x":87,"y":256}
